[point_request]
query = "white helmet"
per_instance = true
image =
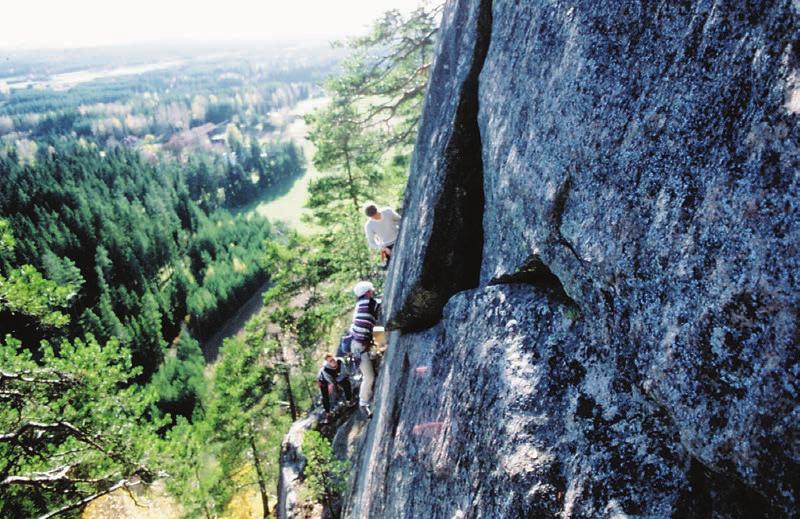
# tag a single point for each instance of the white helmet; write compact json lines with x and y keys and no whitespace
{"x":362,"y":287}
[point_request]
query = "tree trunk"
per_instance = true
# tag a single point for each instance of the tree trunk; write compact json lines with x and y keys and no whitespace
{"x":290,"y":395}
{"x":350,"y":181}
{"x":262,"y":483}
{"x":327,"y":502}
{"x":205,"y":502}
{"x":309,"y":391}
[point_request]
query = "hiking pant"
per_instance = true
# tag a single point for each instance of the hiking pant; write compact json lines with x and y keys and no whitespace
{"x":326,"y":398}
{"x":367,"y":372}
{"x":386,"y":261}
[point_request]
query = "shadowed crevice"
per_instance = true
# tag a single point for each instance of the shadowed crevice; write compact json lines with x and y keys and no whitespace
{"x":452,"y":260}
{"x":534,"y":272}
{"x":557,"y":215}
{"x":713,"y":494}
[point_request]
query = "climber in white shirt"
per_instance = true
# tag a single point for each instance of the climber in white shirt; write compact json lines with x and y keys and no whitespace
{"x":381,"y":230}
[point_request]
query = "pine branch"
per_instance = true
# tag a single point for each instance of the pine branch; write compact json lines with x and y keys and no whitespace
{"x":387,"y":64}
{"x":392,"y":107}
{"x":88,"y":499}
{"x":17,"y":435}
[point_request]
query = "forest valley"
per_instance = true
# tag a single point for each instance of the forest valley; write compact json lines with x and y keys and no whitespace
{"x":123,"y":248}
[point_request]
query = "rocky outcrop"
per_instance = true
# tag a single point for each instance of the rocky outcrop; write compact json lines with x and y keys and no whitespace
{"x":292,"y":463}
{"x":343,"y":428}
{"x":618,"y":332}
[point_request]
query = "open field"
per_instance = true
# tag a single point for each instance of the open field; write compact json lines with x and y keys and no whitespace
{"x":289,"y":206}
{"x":69,"y":79}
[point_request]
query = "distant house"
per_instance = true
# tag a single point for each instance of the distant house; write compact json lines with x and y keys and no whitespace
{"x":230,"y":156}
{"x":130,"y":141}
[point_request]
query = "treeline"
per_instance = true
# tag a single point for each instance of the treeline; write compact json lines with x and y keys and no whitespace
{"x":118,"y":252}
{"x":187,"y":109}
{"x":289,"y":62}
{"x":138,"y":251}
{"x":147,"y":105}
{"x":224,"y":263}
{"x":109,"y":271}
{"x":243,"y":174}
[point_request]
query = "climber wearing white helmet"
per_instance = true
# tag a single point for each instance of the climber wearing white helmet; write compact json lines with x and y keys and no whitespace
{"x":364,"y":317}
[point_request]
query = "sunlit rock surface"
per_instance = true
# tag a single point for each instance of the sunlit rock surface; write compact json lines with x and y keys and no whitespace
{"x":633,"y":172}
{"x":292,"y":463}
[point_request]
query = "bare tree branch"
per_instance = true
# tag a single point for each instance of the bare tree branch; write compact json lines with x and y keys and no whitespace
{"x":49,"y":427}
{"x":131,"y":495}
{"x":81,"y":435}
{"x":33,"y":377}
{"x":56,"y":475}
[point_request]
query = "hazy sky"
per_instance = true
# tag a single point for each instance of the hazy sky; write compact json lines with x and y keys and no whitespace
{"x":75,"y":23}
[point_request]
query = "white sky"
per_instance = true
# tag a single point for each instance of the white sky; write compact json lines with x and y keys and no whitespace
{"x":78,"y":23}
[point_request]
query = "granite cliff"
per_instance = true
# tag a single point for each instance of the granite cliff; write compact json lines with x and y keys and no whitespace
{"x":595,"y":296}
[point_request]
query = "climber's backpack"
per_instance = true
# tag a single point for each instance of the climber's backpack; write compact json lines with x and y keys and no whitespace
{"x":345,"y":345}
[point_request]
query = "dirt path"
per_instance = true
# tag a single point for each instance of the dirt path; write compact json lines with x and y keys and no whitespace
{"x":234,"y":325}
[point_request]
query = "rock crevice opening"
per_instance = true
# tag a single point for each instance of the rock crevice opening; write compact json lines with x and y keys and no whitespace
{"x":534,"y":272}
{"x":452,"y":258}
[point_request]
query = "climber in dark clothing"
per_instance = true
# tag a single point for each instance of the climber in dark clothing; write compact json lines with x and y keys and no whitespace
{"x":332,"y":374}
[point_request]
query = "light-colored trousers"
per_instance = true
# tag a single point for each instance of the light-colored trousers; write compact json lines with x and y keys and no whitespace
{"x":367,"y":372}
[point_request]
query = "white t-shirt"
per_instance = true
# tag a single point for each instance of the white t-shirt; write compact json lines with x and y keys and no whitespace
{"x":382,"y":233}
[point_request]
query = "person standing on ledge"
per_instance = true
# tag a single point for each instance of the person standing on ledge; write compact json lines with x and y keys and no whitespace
{"x":333,"y":374}
{"x":381,"y":230}
{"x":364,"y":317}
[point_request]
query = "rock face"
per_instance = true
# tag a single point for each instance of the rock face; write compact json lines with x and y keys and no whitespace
{"x":595,"y":289}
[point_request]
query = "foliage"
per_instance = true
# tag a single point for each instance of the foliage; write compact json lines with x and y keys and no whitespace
{"x":188,"y":458}
{"x":71,"y":426}
{"x":125,"y":237}
{"x":247,"y":173}
{"x":26,"y":292}
{"x":236,"y":442}
{"x":117,"y":193}
{"x":239,"y":408}
{"x":345,"y":153}
{"x":573,"y":313}
{"x":180,"y":383}
{"x":372,"y":117}
{"x":156,"y":254}
{"x":223,"y":261}
{"x":387,"y":73}
{"x":6,"y":237}
{"x":325,"y":477}
{"x":298,"y":295}
{"x":362,"y":139}
{"x":241,"y":385}
{"x":242,"y":87}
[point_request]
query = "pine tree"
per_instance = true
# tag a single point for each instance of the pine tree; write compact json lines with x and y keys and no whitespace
{"x":180,"y":383}
{"x":147,"y":344}
{"x":325,"y":476}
